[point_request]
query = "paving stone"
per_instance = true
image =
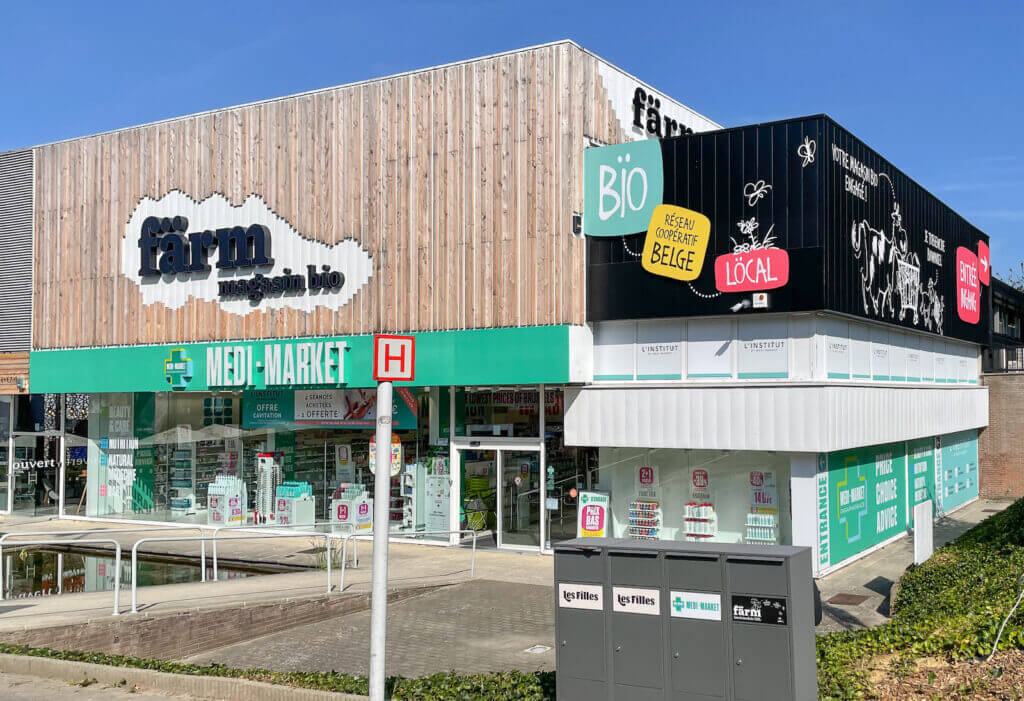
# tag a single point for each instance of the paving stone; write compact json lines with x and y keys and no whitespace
{"x":474,"y":627}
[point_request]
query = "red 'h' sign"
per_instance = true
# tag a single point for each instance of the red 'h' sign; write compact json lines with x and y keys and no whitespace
{"x":394,"y":358}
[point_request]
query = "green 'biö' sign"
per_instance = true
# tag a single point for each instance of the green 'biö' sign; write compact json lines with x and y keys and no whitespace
{"x":622,"y":184}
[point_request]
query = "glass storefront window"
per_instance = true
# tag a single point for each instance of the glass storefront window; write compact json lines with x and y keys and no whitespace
{"x":698,"y":495}
{"x":570,"y":470}
{"x":233,"y":458}
{"x":504,"y":413}
{"x":35,"y":413}
{"x":76,"y":453}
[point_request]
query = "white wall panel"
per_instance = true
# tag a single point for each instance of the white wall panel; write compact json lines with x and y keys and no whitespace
{"x":613,"y":350}
{"x":659,"y":353}
{"x":898,"y":356}
{"x":763,"y":349}
{"x":709,"y":348}
{"x":880,"y":355}
{"x":800,"y":418}
{"x":860,"y":351}
{"x":927,"y":345}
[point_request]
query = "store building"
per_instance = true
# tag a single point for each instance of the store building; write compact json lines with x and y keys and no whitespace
{"x":205,"y":290}
{"x":787,"y":335}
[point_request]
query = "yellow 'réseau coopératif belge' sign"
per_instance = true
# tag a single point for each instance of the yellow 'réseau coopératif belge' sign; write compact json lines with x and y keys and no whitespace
{"x":677,"y":239}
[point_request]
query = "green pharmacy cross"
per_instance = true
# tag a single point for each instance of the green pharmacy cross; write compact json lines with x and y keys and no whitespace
{"x":178,"y":369}
{"x":677,"y":604}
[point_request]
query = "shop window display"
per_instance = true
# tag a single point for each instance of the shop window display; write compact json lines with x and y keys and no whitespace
{"x":230,"y":458}
{"x":696,"y":495}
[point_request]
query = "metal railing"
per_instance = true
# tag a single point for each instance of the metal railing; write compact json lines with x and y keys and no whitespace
{"x":402,"y":536}
{"x":117,"y":561}
{"x":6,"y":536}
{"x":215,"y":537}
{"x":203,"y":539}
{"x":274,"y":526}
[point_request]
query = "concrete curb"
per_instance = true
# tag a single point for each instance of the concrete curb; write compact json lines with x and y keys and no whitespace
{"x":221,"y":688}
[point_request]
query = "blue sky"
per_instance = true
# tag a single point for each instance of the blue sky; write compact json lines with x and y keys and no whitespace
{"x":937,"y":87}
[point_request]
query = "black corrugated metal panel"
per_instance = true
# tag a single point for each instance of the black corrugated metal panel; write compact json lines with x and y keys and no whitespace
{"x":806,"y":205}
{"x":16,"y":221}
{"x":708,"y":173}
{"x":877,"y":263}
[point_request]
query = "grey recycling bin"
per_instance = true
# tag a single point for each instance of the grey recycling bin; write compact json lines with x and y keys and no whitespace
{"x":683,"y":621}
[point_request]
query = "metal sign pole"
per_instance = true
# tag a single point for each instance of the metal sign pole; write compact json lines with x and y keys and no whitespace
{"x":381,"y":526}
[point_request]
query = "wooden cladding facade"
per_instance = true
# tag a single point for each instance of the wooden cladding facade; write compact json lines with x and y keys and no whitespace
{"x":13,"y":366}
{"x":460,"y":181}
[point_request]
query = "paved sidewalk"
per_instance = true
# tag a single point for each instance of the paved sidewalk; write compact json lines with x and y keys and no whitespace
{"x":473,"y":627}
{"x":18,"y":687}
{"x":421,"y":565}
{"x":873,"y":575}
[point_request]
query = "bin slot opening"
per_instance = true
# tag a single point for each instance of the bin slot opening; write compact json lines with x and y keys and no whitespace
{"x":634,"y":554}
{"x":755,"y":561}
{"x":691,"y":558}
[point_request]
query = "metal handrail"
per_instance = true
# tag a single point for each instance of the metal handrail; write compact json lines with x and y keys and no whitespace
{"x":351,"y":536}
{"x":117,"y":562}
{"x":93,"y":531}
{"x":194,"y":539}
{"x":270,"y":527}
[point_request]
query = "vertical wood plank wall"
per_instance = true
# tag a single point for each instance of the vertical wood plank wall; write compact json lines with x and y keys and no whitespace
{"x":460,"y":182}
{"x":13,"y":366}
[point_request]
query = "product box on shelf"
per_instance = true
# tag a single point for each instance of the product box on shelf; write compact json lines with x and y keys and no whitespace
{"x":351,"y":509}
{"x":226,"y":501}
{"x":295,"y":504}
{"x":644,"y":519}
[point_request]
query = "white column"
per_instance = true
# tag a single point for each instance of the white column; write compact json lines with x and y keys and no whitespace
{"x":541,"y":409}
{"x":61,"y":447}
{"x":454,"y":473}
{"x":803,"y":470}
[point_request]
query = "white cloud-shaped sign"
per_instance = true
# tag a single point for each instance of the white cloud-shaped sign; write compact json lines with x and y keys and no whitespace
{"x":292,"y":255}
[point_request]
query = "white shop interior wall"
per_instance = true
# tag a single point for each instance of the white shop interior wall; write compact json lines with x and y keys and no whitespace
{"x":777,"y":346}
{"x":729,"y":473}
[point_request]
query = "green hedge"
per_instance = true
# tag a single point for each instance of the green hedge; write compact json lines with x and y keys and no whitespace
{"x":447,"y":685}
{"x":950,"y":606}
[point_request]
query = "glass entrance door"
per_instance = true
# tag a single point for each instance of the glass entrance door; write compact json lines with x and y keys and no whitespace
{"x":36,"y":466}
{"x":519,"y":505}
{"x":501,"y":491}
{"x":5,"y":453}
